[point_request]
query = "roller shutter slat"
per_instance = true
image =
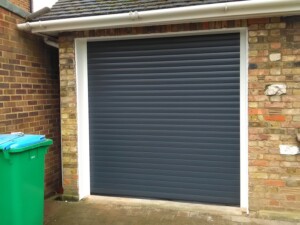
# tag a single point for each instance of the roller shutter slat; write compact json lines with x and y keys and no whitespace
{"x":140,"y":192}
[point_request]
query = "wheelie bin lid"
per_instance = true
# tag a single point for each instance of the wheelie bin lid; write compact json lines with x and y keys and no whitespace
{"x":18,"y":142}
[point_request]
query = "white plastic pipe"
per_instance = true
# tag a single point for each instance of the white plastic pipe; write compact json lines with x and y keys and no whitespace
{"x":210,"y":12}
{"x":50,"y":43}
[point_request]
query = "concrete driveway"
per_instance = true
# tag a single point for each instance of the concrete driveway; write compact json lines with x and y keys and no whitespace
{"x":124,"y":211}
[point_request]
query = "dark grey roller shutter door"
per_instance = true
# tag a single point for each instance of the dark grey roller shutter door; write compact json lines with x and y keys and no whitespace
{"x":164,"y":118}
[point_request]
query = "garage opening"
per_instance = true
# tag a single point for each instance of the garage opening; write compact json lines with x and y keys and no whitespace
{"x":165,"y":118}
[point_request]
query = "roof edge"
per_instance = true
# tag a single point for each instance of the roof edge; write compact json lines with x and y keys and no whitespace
{"x":201,"y":13}
{"x":13,"y":8}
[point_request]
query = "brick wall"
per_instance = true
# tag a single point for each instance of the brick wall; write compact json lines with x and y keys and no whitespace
{"x":68,"y":115}
{"x":274,"y":57}
{"x":29,"y":90}
{"x":24,"y":4}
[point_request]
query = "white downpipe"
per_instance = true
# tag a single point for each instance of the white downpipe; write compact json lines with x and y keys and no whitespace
{"x":210,"y":12}
{"x":50,"y":43}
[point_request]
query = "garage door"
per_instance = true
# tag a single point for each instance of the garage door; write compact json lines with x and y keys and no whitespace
{"x":164,"y":118}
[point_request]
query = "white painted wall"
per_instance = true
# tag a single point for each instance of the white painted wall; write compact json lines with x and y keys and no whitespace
{"x":38,"y":4}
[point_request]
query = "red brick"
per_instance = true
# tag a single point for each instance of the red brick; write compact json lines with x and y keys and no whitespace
{"x":4,"y":72}
{"x":16,"y":82}
{"x":274,"y":202}
{"x":291,"y":197}
{"x":279,"y":118}
{"x":275,"y":183}
{"x":257,"y":111}
{"x":259,"y":163}
{"x":258,"y":21}
{"x":276,"y":45}
{"x":11,"y":116}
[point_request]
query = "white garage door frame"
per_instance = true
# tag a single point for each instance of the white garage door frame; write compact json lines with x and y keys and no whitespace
{"x":83,"y":106}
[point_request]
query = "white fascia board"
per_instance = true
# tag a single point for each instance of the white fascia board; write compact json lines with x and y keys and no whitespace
{"x":211,"y":12}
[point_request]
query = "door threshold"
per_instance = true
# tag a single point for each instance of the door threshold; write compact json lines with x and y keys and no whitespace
{"x":166,"y":204}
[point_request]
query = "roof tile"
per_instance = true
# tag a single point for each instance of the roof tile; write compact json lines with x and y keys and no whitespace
{"x":81,"y":8}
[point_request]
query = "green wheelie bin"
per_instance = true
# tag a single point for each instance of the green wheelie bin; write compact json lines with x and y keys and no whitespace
{"x":22,"y":163}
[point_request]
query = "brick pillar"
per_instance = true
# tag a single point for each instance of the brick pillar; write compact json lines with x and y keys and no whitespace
{"x":68,"y":116}
{"x":273,"y":120}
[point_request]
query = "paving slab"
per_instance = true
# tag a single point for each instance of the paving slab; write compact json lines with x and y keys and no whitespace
{"x":97,"y":210}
